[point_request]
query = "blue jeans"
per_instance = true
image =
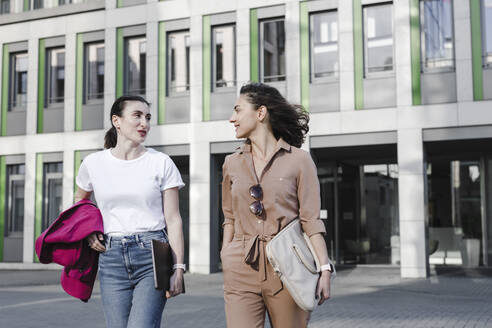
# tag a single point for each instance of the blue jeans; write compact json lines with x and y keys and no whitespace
{"x":127,"y":282}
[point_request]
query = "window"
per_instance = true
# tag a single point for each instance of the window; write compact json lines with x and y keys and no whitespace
{"x":272,"y":52}
{"x":135,"y":50}
{"x":15,"y":202}
{"x":378,"y":38}
{"x":436,"y":20}
{"x":94,"y":71}
{"x":52,"y":191}
{"x":324,"y":45}
{"x":64,"y":2}
{"x":56,"y":75}
{"x":18,"y":81}
{"x":224,"y":56}
{"x":4,"y":6}
{"x":178,"y":62}
{"x":487,"y":32}
{"x":38,"y":4}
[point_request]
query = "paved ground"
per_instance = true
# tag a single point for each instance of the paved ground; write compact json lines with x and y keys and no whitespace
{"x":362,"y":297}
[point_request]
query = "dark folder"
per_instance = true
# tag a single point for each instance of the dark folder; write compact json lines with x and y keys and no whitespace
{"x":162,"y":261}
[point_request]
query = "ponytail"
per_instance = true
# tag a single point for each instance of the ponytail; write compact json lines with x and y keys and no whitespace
{"x":110,"y":138}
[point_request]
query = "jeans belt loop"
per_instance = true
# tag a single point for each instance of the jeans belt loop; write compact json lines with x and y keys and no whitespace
{"x":109,"y":241}
{"x":137,"y":238}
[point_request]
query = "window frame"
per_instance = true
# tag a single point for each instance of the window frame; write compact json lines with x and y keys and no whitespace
{"x":86,"y":82}
{"x":486,"y":57}
{"x":48,"y":177}
{"x":261,"y":48}
{"x":170,"y":92}
{"x":214,"y":88}
{"x":126,"y":70}
{"x":443,"y":69}
{"x":12,"y":179}
{"x":12,"y":81}
{"x":48,"y":89}
{"x":324,"y":79}
{"x":383,"y":73}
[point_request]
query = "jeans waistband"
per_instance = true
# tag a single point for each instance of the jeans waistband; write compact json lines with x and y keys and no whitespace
{"x":134,"y":237}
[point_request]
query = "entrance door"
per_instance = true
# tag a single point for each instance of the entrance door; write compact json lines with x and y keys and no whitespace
{"x":456,"y":211}
{"x":359,"y":205}
{"x":368,"y":213}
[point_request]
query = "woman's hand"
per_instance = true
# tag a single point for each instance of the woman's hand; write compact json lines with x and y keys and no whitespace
{"x":95,"y":242}
{"x":176,"y":284}
{"x":323,"y":287}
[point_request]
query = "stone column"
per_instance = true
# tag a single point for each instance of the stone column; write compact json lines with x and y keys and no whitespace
{"x":412,"y":210}
{"x":346,"y":55}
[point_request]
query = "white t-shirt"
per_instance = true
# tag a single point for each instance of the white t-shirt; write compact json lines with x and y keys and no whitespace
{"x":128,"y":192}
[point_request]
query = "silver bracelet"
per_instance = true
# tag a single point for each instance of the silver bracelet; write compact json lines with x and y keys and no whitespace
{"x":179,"y":266}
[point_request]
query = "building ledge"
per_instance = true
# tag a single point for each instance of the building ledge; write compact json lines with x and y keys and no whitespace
{"x":36,"y":14}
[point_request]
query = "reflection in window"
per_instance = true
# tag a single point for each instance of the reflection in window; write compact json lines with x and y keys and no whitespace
{"x":135,"y":50}
{"x":224,"y":56}
{"x":38,"y":4}
{"x":378,"y":38}
{"x":436,"y":19}
{"x":64,"y":2}
{"x":94,"y":70}
{"x":52,"y":192}
{"x":15,"y":205}
{"x":324,"y":45}
{"x":487,"y":32}
{"x":178,"y":61}
{"x":18,"y":81}
{"x":56,"y":75}
{"x":272,"y":50}
{"x":4,"y":6}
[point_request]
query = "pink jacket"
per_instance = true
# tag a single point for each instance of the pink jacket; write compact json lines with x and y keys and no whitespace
{"x":64,"y":243}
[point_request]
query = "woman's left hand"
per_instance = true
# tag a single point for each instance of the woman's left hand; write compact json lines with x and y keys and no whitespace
{"x":323,"y":287}
{"x":176,"y":284}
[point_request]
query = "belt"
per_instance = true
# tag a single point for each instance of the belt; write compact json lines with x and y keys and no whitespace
{"x":254,"y":252}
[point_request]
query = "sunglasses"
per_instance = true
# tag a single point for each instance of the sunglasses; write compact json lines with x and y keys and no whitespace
{"x":256,"y":207}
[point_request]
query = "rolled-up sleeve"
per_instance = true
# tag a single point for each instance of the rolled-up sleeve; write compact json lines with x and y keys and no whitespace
{"x":226,"y":195}
{"x":308,"y":193}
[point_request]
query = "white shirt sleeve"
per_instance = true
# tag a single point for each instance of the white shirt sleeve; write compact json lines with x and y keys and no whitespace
{"x":171,"y":177}
{"x":83,"y":179}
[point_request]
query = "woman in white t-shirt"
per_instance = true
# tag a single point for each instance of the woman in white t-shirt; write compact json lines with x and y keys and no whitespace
{"x":136,"y":189}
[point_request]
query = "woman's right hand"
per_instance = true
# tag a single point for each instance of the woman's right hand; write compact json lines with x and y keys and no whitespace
{"x":95,"y":242}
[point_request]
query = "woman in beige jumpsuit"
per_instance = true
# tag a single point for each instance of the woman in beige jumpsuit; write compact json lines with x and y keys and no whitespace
{"x":268,"y":182}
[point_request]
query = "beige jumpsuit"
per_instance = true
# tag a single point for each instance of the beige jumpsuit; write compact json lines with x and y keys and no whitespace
{"x":290,"y":189}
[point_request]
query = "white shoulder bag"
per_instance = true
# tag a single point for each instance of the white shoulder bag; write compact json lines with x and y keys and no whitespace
{"x":294,"y":260}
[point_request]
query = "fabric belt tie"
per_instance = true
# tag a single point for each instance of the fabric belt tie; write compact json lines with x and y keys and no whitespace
{"x":255,"y":253}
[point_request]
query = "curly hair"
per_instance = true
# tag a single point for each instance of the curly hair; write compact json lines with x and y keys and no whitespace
{"x":288,"y":121}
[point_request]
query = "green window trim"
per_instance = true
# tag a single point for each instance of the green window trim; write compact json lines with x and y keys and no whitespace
{"x":207,"y":67}
{"x":38,"y":199}
{"x":26,"y":5}
{"x":79,"y":82}
{"x":161,"y":110}
{"x":253,"y":46}
{"x":5,"y":90}
{"x":119,"y":62}
{"x":3,"y":197}
{"x":41,"y":84}
{"x":415,"y":51}
{"x":358,"y":56}
{"x":119,"y":3}
{"x":304,"y":55}
{"x":77,"y":160}
{"x":476,"y":38}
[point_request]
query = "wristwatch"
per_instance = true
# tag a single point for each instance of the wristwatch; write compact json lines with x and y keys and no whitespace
{"x":179,"y":266}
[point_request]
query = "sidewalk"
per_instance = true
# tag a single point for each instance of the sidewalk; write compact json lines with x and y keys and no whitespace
{"x":361,"y":297}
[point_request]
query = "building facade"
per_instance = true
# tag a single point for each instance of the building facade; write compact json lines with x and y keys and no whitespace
{"x":400,"y":96}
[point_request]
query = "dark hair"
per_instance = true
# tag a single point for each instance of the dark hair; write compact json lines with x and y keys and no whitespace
{"x":288,"y":121}
{"x":119,"y":105}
